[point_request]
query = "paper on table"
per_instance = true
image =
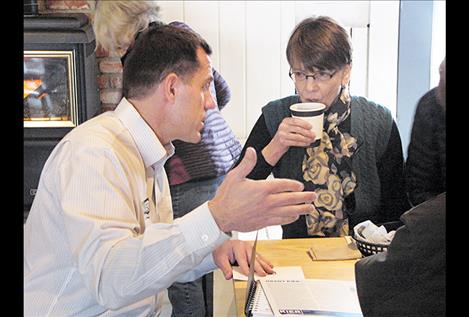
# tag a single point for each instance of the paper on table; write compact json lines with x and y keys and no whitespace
{"x":256,"y":303}
{"x":290,"y":272}
{"x":335,"y":295}
{"x":314,"y":297}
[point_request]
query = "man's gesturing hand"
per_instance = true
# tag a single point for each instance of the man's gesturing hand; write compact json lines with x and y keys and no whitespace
{"x":244,"y":205}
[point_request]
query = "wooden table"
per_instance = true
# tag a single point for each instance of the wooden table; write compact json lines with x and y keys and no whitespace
{"x":292,"y":252}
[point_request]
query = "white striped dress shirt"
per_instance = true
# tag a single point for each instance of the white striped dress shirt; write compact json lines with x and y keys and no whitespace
{"x":99,"y":239}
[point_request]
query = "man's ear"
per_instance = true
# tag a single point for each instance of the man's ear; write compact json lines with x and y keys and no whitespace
{"x":170,"y":86}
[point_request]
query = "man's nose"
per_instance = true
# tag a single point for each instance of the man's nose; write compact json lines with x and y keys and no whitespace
{"x":210,"y":102}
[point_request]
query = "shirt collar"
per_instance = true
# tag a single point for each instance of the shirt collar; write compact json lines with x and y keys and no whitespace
{"x":153,"y":152}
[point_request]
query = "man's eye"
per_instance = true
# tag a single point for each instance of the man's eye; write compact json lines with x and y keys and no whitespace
{"x":208,"y":84}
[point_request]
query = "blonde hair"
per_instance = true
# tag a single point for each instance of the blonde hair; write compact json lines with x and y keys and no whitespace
{"x":116,"y":23}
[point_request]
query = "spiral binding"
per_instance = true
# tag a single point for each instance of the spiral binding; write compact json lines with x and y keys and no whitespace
{"x":250,"y":299}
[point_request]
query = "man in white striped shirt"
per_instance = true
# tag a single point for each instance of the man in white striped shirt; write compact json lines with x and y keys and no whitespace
{"x":100,"y":239}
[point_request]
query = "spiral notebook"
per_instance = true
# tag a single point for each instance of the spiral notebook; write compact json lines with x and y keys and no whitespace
{"x":288,"y":294}
{"x":258,"y":304}
{"x":311,"y":297}
{"x":257,"y":301}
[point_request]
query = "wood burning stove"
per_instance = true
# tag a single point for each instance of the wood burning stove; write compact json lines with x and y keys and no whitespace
{"x":60,"y":89}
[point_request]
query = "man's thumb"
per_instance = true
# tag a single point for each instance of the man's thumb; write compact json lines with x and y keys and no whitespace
{"x":247,"y":163}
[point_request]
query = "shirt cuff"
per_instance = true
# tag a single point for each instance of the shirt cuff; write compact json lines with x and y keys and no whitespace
{"x":200,"y":229}
{"x":206,"y":266}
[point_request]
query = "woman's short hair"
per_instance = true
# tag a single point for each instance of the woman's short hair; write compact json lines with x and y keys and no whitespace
{"x":319,"y":43}
{"x":115,"y":23}
{"x":158,"y":51}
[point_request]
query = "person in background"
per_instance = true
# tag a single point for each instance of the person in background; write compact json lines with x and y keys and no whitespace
{"x":357,"y":170}
{"x":196,"y":169}
{"x":409,"y":279}
{"x":100,"y":238}
{"x":425,"y":168}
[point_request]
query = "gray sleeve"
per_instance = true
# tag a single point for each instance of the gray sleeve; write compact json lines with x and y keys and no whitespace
{"x":222,"y":90}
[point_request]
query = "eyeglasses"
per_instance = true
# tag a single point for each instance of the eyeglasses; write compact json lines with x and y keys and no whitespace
{"x":300,"y":77}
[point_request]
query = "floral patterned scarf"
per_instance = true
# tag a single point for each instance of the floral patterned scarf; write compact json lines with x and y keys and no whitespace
{"x":327,"y":169}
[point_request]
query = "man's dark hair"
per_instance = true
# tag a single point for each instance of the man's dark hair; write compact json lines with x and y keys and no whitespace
{"x":319,"y":43}
{"x":157,"y":52}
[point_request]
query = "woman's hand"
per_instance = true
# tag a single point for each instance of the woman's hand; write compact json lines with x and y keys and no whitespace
{"x":291,"y":132}
{"x":239,"y":251}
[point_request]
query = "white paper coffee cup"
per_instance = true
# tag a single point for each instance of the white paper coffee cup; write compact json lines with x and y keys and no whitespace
{"x":312,"y":112}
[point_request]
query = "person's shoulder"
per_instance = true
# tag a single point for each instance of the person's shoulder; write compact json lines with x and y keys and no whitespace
{"x":428,"y":97}
{"x":98,"y":131}
{"x":428,"y":104}
{"x":283,"y":102}
{"x":369,"y":106}
{"x":431,"y":211}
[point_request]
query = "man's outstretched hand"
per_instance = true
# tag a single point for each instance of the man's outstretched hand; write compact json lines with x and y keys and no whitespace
{"x":245,"y":205}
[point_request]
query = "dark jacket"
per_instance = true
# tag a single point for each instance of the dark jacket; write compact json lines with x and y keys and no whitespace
{"x":409,"y":279}
{"x":425,"y":168}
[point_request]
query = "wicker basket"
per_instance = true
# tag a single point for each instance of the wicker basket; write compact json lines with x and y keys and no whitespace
{"x":367,"y":248}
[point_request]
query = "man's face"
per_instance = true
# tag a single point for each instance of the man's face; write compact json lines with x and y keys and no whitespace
{"x":193,"y":102}
{"x":323,"y":91}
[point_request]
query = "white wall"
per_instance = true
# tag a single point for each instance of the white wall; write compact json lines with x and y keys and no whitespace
{"x":249,"y":39}
{"x":438,"y":41}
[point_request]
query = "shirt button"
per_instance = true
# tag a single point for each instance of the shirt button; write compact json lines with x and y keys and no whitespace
{"x":204,"y":238}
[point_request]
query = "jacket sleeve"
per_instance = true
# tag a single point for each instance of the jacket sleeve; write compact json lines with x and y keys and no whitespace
{"x":222,"y":90}
{"x":391,"y":174}
{"x":423,"y":167}
{"x":258,"y":139}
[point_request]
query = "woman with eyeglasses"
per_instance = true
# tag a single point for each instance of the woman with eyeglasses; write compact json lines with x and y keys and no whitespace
{"x":357,"y":169}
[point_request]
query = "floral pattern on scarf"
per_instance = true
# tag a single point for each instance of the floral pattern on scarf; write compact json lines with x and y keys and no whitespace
{"x":327,"y":169}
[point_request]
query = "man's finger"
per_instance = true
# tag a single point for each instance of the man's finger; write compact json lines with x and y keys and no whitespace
{"x":243,"y":264}
{"x":225,"y":266}
{"x":246,"y":165}
{"x":291,"y":210}
{"x":290,"y":198}
{"x":263,"y":260}
{"x":273,"y":221}
{"x":279,"y":185}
